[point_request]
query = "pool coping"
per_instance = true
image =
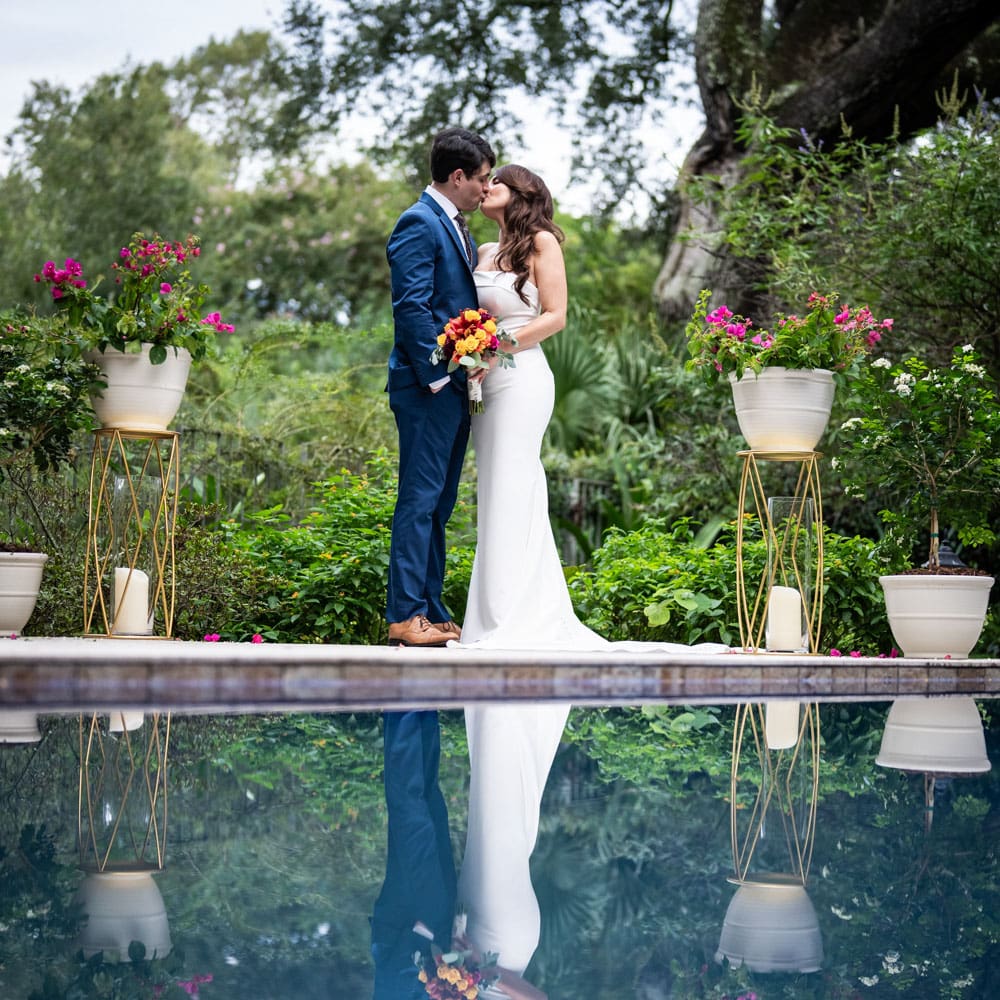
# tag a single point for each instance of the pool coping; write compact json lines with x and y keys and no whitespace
{"x":90,"y":673}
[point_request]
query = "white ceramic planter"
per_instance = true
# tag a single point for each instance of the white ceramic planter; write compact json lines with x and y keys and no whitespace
{"x":122,"y":907}
{"x":783,"y":409}
{"x":140,"y":396}
{"x":17,"y":726}
{"x":934,"y":736}
{"x":936,"y":615}
{"x":771,"y":927}
{"x":20,"y":578}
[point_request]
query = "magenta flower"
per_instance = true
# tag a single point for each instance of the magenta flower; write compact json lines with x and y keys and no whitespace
{"x":212,"y":637}
{"x":166,"y":288}
{"x":836,"y":652}
{"x":257,"y":637}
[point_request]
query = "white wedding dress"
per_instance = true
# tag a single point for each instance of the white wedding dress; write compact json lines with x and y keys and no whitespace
{"x":518,"y":600}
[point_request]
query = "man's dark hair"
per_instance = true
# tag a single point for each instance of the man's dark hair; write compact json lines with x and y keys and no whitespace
{"x":459,"y":149}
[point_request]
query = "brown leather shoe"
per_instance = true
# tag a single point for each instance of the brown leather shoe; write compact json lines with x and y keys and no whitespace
{"x":452,"y":628}
{"x":417,"y":631}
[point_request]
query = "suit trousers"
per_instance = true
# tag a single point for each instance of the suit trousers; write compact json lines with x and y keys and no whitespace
{"x":433,"y":435}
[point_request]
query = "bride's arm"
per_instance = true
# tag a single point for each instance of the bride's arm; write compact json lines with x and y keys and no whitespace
{"x":550,"y":280}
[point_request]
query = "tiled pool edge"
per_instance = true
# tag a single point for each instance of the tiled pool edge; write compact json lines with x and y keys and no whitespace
{"x":53,"y":675}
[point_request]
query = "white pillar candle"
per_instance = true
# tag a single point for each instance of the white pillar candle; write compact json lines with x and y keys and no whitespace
{"x":784,"y":619}
{"x":131,"y":602}
{"x":781,"y":724}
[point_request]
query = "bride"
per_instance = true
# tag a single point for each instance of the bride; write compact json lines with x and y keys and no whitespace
{"x":518,"y":597}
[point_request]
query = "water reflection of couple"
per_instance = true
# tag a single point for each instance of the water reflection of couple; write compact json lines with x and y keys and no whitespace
{"x":518,"y":597}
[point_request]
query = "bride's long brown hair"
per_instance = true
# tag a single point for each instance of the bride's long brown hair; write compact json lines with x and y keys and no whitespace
{"x":528,"y":212}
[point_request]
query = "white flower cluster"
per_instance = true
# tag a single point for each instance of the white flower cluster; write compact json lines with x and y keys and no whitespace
{"x":881,"y":363}
{"x":890,"y":962}
{"x":903,"y":384}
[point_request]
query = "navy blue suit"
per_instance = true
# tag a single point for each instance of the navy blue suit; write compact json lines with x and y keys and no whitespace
{"x":431,"y":283}
{"x":420,"y":880}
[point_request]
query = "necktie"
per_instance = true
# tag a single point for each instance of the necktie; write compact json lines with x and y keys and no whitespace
{"x":463,"y":228}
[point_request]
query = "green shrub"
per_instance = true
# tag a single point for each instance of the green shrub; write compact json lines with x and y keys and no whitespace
{"x":663,"y":584}
{"x":333,"y":567}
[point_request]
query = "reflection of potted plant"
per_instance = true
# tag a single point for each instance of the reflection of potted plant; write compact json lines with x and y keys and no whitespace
{"x":929,"y":437}
{"x":145,"y":333}
{"x":44,"y":393}
{"x":783,"y":378}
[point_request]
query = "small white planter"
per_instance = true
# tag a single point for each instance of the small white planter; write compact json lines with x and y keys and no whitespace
{"x":936,"y":615}
{"x":20,"y":578}
{"x":934,"y":736}
{"x":140,"y":396}
{"x":783,"y":409}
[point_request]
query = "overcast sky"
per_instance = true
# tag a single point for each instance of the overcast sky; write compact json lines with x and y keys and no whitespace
{"x":70,"y":42}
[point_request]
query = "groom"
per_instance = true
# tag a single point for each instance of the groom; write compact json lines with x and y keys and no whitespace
{"x":431,"y":257}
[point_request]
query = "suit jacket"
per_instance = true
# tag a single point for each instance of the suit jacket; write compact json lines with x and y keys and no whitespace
{"x":431,"y":282}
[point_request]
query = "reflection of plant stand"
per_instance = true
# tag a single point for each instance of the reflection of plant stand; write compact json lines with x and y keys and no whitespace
{"x":771,"y":924}
{"x":793,"y":577}
{"x":122,"y":816}
{"x":129,"y":572}
{"x":785,"y":786}
{"x":122,"y":834}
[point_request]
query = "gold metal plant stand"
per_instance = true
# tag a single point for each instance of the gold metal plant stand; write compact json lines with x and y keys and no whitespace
{"x":787,"y":541}
{"x":784,"y":784}
{"x":134,"y":485}
{"x":122,"y":797}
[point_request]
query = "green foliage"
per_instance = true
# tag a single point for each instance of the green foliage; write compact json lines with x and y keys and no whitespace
{"x":304,"y":243}
{"x":657,"y":743}
{"x":334,"y":565}
{"x":893,"y":223}
{"x":409,"y":66}
{"x":219,"y":589}
{"x":335,"y":759}
{"x":44,"y":393}
{"x":927,"y":436}
{"x":655,"y":584}
{"x":663,"y":584}
{"x":92,"y":168}
{"x":139,"y":978}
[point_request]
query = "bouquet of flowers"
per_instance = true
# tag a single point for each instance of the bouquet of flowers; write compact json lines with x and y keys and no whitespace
{"x":470,"y":339}
{"x":454,"y":975}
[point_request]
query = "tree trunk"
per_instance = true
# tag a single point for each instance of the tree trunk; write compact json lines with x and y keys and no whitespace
{"x":820,"y":62}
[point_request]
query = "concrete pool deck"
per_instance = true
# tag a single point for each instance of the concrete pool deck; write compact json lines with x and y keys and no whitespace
{"x":70,"y":674}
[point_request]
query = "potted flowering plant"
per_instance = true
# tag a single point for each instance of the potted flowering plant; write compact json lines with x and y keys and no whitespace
{"x":152,"y":317}
{"x":782,"y":378}
{"x":928,"y":436}
{"x":44,"y":391}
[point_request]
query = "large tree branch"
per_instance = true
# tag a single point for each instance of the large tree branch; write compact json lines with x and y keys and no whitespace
{"x":894,"y":64}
